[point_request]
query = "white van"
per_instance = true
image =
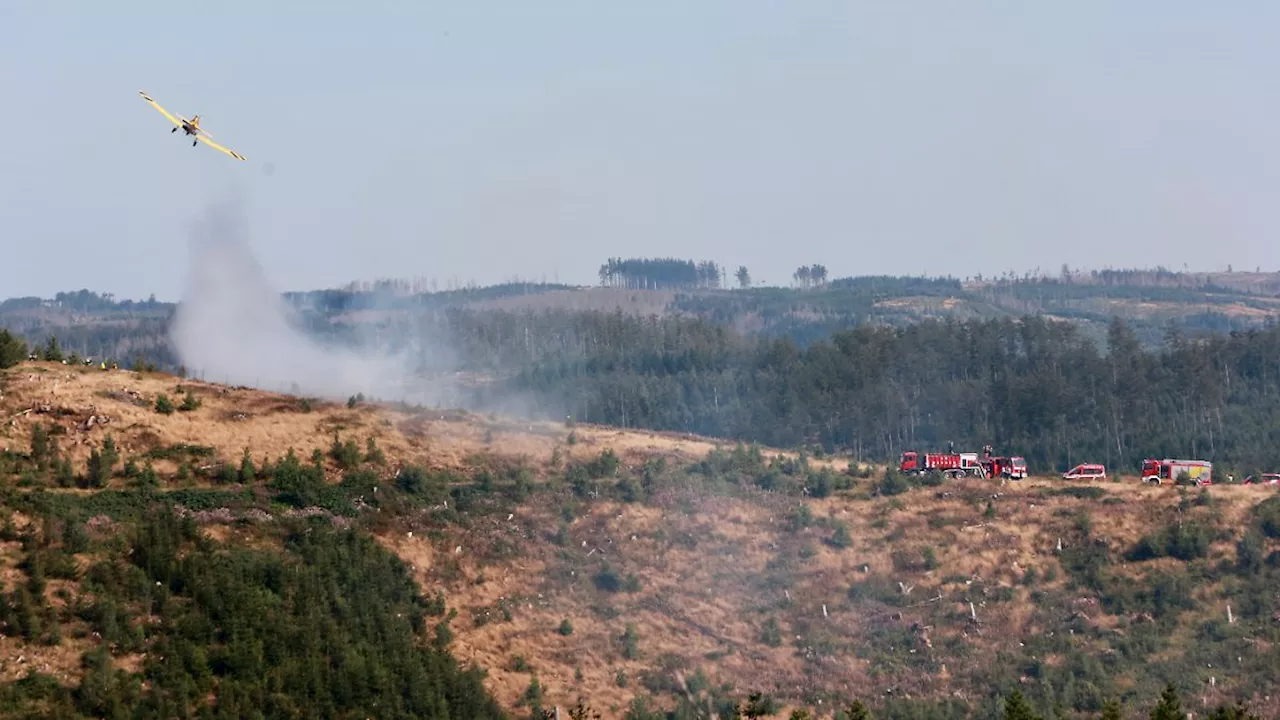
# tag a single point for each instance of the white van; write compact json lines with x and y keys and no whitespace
{"x":1086,"y":471}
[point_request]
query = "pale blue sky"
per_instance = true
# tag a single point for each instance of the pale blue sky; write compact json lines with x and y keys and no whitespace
{"x":482,"y":140}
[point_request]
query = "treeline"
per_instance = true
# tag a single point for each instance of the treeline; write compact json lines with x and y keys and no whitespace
{"x":660,"y":273}
{"x":145,"y":347}
{"x":1230,"y":282}
{"x":807,"y":276}
{"x":1033,"y":387}
{"x":84,"y":301}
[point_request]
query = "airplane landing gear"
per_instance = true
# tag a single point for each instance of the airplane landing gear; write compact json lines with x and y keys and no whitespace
{"x":194,"y":143}
{"x":174,"y":130}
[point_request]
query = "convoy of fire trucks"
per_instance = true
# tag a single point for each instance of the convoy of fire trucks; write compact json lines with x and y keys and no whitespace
{"x":988,"y":465}
{"x":957,"y":465}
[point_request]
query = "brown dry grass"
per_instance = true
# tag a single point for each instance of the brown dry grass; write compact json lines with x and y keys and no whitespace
{"x":62,"y":662}
{"x":703,"y":607}
{"x":270,"y":424}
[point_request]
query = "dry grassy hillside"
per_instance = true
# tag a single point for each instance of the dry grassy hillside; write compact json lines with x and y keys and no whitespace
{"x":122,"y":403}
{"x":691,"y":572}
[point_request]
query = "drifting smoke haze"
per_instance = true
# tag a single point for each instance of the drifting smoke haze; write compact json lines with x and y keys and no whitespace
{"x":231,"y":326}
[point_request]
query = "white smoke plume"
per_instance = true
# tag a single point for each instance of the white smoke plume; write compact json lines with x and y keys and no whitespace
{"x":231,"y":326}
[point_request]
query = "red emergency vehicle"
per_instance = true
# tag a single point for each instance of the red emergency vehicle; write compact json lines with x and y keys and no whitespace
{"x":951,"y":464}
{"x":1014,"y":468}
{"x":1198,"y":472}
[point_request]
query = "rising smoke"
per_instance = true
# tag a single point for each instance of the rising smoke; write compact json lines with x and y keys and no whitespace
{"x":232,"y":327}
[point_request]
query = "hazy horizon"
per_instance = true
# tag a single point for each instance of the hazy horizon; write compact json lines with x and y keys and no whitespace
{"x":483,"y":142}
{"x":728,"y":282}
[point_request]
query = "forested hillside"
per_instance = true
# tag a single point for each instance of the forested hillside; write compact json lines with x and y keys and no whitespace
{"x":1033,"y":387}
{"x":170,"y":547}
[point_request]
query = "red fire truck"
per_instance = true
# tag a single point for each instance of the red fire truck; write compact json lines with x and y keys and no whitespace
{"x":1014,"y":468}
{"x":951,"y":464}
{"x":1198,"y":472}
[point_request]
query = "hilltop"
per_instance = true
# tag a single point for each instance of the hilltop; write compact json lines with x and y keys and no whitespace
{"x":1150,"y":301}
{"x":571,"y":561}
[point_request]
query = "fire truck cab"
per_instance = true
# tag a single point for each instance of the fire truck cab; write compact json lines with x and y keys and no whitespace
{"x":1014,"y":468}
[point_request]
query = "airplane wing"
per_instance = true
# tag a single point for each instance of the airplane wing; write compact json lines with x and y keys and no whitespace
{"x":156,"y":105}
{"x":216,"y":146}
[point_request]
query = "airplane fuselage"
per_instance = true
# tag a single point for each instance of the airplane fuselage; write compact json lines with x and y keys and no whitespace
{"x":189,"y":127}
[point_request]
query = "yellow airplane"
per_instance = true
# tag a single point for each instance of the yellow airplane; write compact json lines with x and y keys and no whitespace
{"x":190,"y":127}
